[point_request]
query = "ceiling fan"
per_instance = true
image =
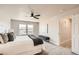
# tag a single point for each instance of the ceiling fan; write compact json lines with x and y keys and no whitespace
{"x":34,"y":16}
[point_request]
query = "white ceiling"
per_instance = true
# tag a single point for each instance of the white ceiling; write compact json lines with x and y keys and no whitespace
{"x":46,"y":9}
{"x":53,"y":9}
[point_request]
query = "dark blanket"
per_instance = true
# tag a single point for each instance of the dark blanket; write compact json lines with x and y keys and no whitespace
{"x":36,"y":40}
{"x":45,"y":38}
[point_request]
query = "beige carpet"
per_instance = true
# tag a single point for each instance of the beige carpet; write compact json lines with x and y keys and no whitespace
{"x":66,"y":44}
{"x":52,"y":49}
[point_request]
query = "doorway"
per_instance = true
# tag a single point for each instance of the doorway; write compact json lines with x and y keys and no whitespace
{"x":65,"y":34}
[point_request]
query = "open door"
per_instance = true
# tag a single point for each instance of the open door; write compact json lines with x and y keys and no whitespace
{"x":65,"y":32}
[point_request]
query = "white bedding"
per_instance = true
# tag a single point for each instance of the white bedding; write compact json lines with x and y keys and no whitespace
{"x":19,"y":45}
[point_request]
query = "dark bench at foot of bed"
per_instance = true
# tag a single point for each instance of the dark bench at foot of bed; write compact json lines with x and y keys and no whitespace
{"x":36,"y":40}
{"x":45,"y":38}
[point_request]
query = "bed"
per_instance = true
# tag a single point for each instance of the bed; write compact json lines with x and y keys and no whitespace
{"x":22,"y":45}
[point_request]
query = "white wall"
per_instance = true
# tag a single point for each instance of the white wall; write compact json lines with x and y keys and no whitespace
{"x":43,"y":26}
{"x":8,"y":12}
{"x":75,"y":33}
{"x":52,"y":29}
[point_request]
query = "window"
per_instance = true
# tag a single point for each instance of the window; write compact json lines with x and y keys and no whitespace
{"x":25,"y":29}
{"x":22,"y":29}
{"x":30,"y":29}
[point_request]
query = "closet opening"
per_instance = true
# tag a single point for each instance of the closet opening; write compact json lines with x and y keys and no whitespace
{"x":65,"y":32}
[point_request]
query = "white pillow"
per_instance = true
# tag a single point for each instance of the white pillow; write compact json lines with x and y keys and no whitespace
{"x":1,"y":40}
{"x":5,"y":38}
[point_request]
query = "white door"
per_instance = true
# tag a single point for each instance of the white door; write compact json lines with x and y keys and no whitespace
{"x":75,"y":34}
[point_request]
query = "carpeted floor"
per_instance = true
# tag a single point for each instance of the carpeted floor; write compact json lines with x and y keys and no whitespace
{"x":66,"y":44}
{"x":51,"y":49}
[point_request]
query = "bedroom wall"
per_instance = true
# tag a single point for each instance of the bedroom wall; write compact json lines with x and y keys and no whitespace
{"x":52,"y":29}
{"x":75,"y":34}
{"x":43,"y":26}
{"x":8,"y":12}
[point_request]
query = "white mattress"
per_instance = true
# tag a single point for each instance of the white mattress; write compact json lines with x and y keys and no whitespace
{"x":19,"y":45}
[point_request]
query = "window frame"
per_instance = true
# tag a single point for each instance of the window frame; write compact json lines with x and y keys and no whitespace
{"x":27,"y":30}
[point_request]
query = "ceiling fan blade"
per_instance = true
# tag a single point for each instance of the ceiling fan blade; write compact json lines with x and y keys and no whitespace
{"x":36,"y":17}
